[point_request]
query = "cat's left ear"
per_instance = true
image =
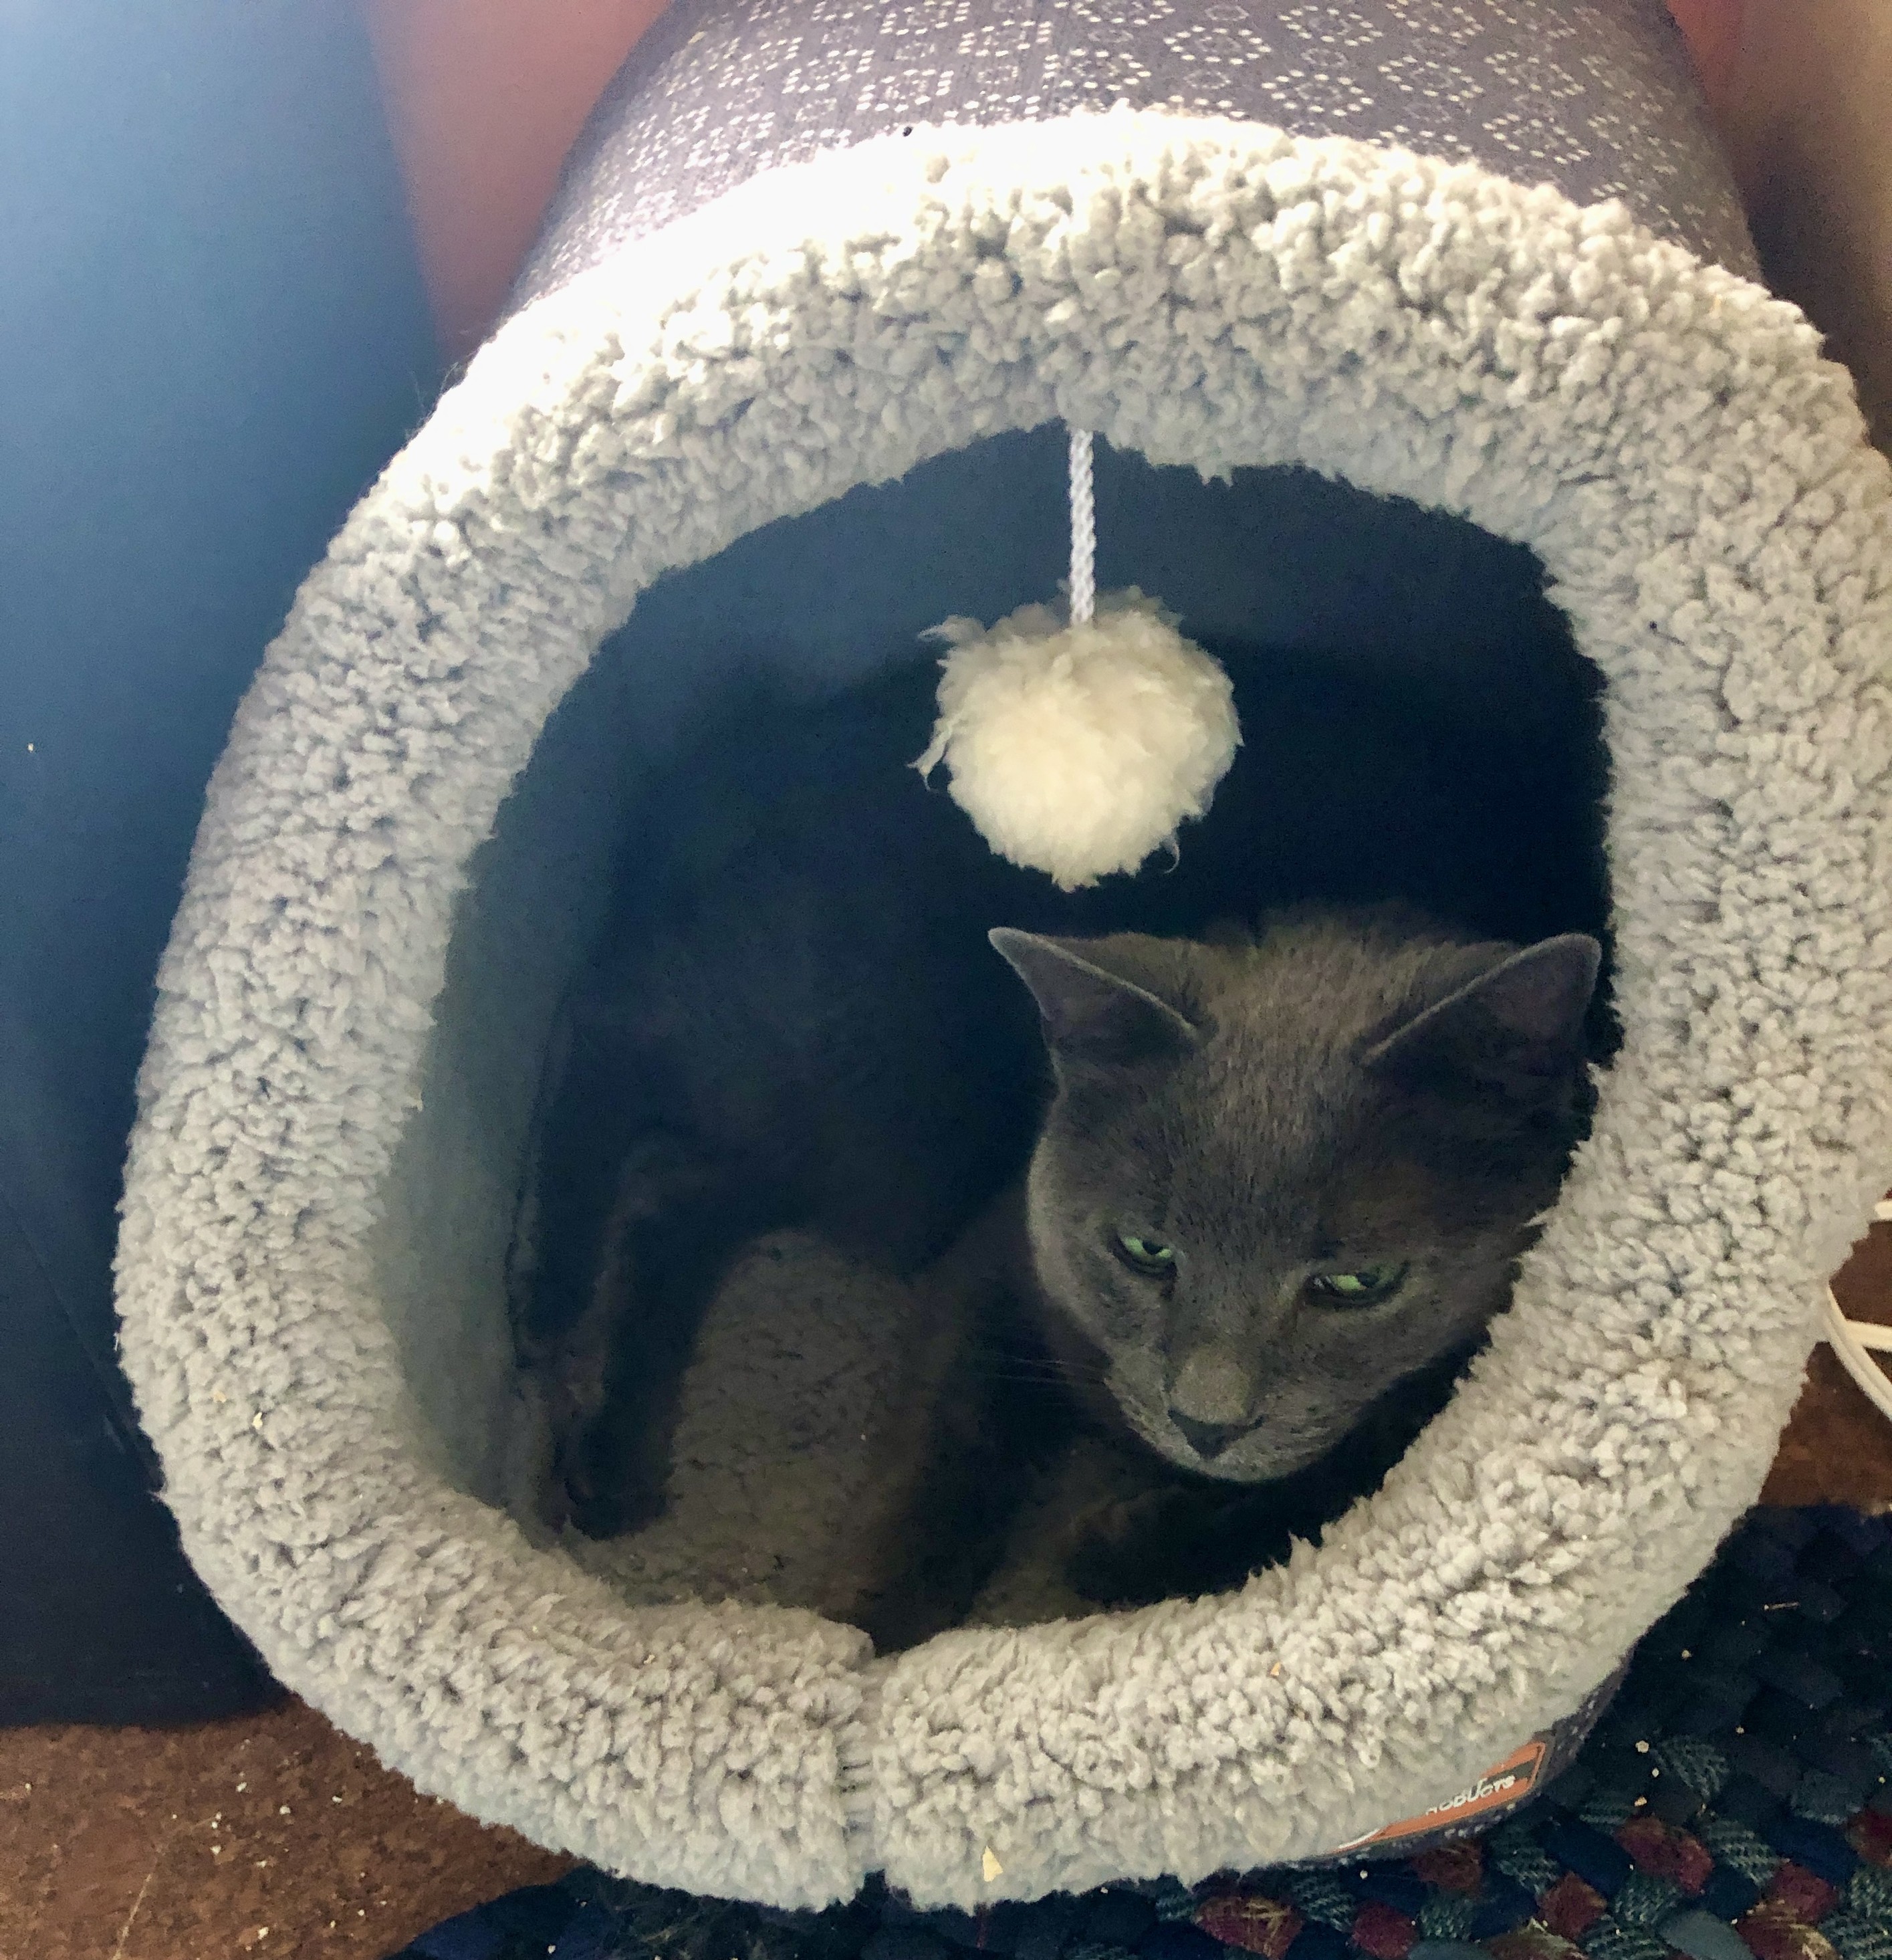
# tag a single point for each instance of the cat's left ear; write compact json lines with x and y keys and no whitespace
{"x":1518,"y":1028}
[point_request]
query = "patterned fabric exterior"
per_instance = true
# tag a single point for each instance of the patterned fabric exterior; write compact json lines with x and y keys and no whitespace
{"x":1593,"y":96}
{"x":1734,"y":1804}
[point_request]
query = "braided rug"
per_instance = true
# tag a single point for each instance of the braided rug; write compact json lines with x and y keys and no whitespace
{"x":1733,"y":1803}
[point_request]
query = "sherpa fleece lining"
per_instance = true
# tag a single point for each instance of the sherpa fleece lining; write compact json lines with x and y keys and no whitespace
{"x":1664,"y":435}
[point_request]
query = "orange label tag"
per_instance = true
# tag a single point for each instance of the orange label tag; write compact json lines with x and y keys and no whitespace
{"x":1498,"y":1789}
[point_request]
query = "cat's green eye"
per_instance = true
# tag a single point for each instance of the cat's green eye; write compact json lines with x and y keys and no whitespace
{"x":1359,"y":1287}
{"x":1146,"y":1256}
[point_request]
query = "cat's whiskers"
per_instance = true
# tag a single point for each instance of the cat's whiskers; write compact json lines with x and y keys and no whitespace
{"x":1046,"y":1370}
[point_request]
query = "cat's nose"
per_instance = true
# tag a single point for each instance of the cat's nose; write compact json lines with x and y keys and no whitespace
{"x":1212,"y":1398}
{"x":1207,"y":1438}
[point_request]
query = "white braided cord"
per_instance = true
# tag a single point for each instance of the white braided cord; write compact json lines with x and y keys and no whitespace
{"x":1083,"y":530}
{"x":1853,"y":1344}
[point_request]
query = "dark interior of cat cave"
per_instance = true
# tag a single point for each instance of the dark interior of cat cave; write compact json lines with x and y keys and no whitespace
{"x":1418,"y":729}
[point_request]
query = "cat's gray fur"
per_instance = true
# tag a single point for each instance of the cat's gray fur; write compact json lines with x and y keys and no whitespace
{"x":796,"y":1016}
{"x":1341,"y":1091}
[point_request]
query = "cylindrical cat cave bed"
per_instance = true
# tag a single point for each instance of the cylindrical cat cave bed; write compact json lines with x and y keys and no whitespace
{"x":778,"y":392}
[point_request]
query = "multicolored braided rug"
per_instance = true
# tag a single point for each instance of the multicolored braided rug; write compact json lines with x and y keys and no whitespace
{"x":1733,"y":1804}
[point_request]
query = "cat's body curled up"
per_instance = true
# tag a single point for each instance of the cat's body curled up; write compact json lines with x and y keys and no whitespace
{"x":1236,"y":1185}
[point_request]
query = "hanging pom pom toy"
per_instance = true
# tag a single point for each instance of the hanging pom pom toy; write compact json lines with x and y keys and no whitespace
{"x":1079,"y":747}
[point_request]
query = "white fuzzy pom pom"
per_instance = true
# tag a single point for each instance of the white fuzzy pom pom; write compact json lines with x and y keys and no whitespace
{"x":1079,"y":749}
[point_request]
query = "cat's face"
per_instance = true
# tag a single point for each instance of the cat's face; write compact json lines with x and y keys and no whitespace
{"x":1277,"y":1179}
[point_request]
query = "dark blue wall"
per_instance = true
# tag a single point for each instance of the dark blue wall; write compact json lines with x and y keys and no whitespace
{"x":212,"y":335}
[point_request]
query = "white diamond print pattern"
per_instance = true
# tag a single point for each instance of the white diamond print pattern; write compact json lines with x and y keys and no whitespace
{"x":1333,"y":23}
{"x":1327,"y":93}
{"x":1593,"y":95}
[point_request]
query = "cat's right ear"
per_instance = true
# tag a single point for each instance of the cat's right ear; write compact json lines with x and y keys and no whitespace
{"x":1091,"y":1015}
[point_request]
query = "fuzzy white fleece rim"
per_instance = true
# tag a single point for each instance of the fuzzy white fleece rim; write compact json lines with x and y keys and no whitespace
{"x":1695,"y":478}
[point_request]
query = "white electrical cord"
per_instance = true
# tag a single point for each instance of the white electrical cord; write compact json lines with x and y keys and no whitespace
{"x":1855,"y":1342}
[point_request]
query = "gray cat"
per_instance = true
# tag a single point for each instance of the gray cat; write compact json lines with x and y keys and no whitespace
{"x":1280,"y":1191}
{"x":1282,"y":1173}
{"x":1274,"y":1183}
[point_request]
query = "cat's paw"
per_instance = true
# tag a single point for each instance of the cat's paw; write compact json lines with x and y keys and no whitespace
{"x":606,"y":1484}
{"x":1176,"y":1542}
{"x":1115,"y":1554}
{"x":605,"y":1510}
